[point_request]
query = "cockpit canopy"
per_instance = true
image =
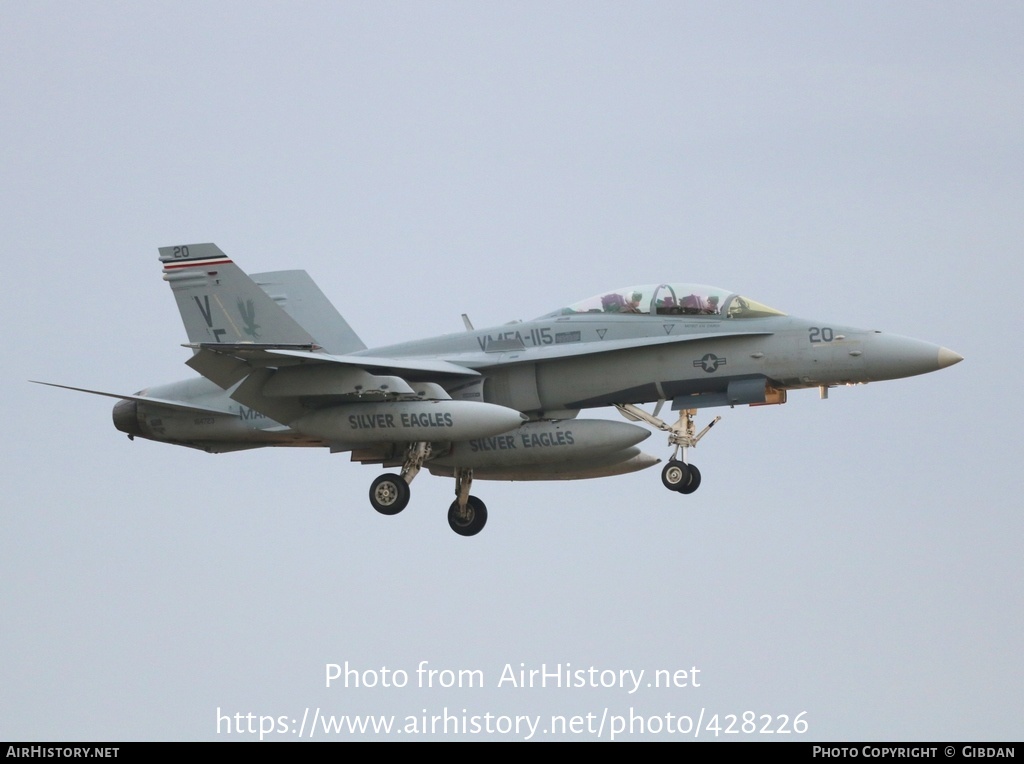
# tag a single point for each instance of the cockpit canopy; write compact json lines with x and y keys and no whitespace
{"x":670,"y":300}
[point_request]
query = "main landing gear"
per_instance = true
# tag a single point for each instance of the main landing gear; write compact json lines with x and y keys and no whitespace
{"x":678,"y":475}
{"x":389,"y":493}
{"x":467,"y":514}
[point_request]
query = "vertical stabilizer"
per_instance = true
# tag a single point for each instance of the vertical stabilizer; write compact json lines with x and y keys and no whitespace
{"x":302,"y":299}
{"x":218,"y":302}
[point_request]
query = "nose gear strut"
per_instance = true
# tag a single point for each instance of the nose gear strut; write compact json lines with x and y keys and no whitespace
{"x":678,"y":474}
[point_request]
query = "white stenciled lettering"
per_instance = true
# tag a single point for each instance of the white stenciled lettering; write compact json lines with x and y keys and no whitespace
{"x":563,"y":675}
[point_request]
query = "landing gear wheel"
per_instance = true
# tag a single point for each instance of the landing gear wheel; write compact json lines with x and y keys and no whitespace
{"x":675,"y":475}
{"x":389,"y":494}
{"x":469,"y":522}
{"x":694,"y":482}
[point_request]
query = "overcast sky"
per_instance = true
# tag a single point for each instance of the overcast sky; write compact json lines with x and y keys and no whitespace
{"x":855,"y":560}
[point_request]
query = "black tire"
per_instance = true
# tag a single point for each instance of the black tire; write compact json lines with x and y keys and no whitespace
{"x":389,"y":494}
{"x":694,"y":482}
{"x":474,"y":519}
{"x":675,"y":475}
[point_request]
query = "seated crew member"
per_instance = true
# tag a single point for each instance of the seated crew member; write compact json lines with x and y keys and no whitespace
{"x":633,"y":303}
{"x":613,"y":303}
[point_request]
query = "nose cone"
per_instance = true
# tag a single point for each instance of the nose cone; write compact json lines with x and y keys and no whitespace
{"x":947,"y":358}
{"x":889,"y":356}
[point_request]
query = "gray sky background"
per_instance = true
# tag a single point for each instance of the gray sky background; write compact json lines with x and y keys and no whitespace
{"x":857,"y":559}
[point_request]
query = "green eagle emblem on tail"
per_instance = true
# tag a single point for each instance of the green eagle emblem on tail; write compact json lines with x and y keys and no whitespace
{"x":248,"y":311}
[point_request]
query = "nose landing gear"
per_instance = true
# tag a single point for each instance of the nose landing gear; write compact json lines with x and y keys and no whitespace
{"x":678,"y":475}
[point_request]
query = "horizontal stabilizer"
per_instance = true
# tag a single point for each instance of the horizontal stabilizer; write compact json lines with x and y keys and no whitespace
{"x":144,"y":399}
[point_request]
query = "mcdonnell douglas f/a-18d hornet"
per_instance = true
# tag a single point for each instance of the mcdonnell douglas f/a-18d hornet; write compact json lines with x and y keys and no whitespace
{"x":281,"y":367}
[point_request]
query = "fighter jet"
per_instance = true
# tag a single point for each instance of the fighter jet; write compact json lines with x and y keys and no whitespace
{"x":280,"y":366}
